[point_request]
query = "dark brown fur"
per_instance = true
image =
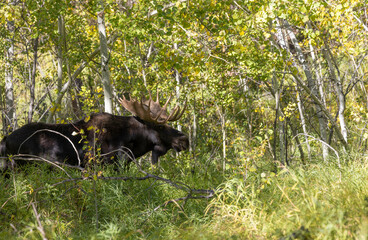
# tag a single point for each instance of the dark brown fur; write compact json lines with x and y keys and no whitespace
{"x":105,"y":131}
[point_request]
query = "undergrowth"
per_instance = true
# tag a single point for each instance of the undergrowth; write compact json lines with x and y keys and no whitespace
{"x":320,"y":201}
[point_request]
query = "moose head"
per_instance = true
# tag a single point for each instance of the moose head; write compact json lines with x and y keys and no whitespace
{"x":155,"y":118}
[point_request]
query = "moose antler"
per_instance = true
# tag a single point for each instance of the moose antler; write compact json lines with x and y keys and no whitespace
{"x":150,"y":110}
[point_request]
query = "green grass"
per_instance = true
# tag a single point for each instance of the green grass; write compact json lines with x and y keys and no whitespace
{"x":321,"y":201}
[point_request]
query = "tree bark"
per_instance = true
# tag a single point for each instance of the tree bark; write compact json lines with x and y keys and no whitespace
{"x":339,"y":91}
{"x":32,"y":80}
{"x":177,"y":87}
{"x":60,"y":88}
{"x":221,"y":113}
{"x":61,"y":40}
{"x":193,"y":134}
{"x":295,"y":134}
{"x":144,"y":61}
{"x":302,"y":119}
{"x":10,"y":113}
{"x":279,"y":125}
{"x":105,"y":72}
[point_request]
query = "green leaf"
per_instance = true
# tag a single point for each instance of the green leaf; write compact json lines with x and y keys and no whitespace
{"x":305,"y":19}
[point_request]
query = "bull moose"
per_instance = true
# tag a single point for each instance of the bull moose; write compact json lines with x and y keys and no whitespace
{"x":70,"y":143}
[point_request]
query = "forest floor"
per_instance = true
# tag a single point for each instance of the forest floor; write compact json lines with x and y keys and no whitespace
{"x":319,"y":201}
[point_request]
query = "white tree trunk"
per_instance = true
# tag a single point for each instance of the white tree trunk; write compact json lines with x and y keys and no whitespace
{"x":10,"y":113}
{"x":177,"y":87}
{"x":32,"y":80}
{"x":105,"y":72}
{"x":279,"y":123}
{"x":304,"y":125}
{"x":221,"y":113}
{"x":61,"y":89}
{"x":61,"y":30}
{"x":339,"y":90}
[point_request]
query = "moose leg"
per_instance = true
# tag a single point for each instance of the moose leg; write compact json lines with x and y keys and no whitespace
{"x":158,"y":151}
{"x":124,"y":158}
{"x":121,"y":157}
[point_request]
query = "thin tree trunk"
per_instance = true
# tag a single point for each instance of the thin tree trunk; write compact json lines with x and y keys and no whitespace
{"x":10,"y":113}
{"x":295,"y":134}
{"x":193,"y":135}
{"x":223,"y":130}
{"x":61,"y":29}
{"x":282,"y":144}
{"x":318,"y":78}
{"x":221,"y":113}
{"x":302,"y":119}
{"x":144,"y":60}
{"x":105,"y":72}
{"x":76,"y":103}
{"x":33,"y":80}
{"x":177,"y":87}
{"x":279,"y":123}
{"x":194,"y":139}
{"x":61,"y":89}
{"x":341,"y":97}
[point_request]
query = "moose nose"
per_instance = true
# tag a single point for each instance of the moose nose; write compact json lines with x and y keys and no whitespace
{"x":181,"y":144}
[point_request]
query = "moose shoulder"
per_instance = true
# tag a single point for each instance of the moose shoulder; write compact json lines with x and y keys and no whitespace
{"x":136,"y":135}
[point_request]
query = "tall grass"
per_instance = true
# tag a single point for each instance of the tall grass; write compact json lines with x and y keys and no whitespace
{"x":321,"y":201}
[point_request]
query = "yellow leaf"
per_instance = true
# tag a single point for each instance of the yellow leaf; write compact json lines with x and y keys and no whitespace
{"x":87,"y":119}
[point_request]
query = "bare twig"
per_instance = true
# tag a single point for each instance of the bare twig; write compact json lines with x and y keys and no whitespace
{"x":40,"y":227}
{"x":324,"y":143}
{"x":28,"y":157}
